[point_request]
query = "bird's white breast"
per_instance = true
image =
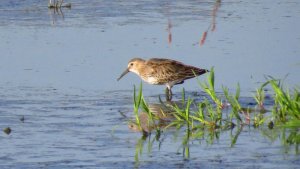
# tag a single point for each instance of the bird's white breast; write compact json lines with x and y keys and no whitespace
{"x":151,"y":80}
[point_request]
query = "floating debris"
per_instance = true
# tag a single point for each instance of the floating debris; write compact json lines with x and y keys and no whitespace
{"x":22,"y":119}
{"x":7,"y":130}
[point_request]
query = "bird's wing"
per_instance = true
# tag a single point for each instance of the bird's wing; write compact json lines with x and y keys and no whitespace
{"x":164,"y":68}
{"x":188,"y":72}
{"x":174,"y":70}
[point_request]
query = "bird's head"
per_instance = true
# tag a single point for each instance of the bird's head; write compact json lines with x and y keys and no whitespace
{"x":134,"y":65}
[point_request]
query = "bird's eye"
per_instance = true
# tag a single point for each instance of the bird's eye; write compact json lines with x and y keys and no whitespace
{"x":131,"y":64}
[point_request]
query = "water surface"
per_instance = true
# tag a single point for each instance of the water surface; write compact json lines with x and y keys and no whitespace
{"x":58,"y":69}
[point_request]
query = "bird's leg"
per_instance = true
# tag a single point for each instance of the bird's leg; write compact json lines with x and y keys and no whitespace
{"x":61,"y":2}
{"x":168,"y":94}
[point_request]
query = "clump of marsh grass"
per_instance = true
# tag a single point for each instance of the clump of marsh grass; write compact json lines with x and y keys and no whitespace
{"x":209,"y":88}
{"x":146,"y":116}
{"x":210,"y":113}
{"x":210,"y":116}
{"x":260,"y":95}
{"x":286,"y":109}
{"x":233,"y":100}
{"x":182,"y":115}
{"x":223,"y":111}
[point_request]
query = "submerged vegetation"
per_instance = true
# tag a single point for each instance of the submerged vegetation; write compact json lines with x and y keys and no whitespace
{"x":222,"y":111}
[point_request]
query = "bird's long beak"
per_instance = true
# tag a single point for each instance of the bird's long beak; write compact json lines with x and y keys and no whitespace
{"x":123,"y":74}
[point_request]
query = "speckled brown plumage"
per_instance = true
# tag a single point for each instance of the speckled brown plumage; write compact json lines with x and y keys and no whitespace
{"x":160,"y":71}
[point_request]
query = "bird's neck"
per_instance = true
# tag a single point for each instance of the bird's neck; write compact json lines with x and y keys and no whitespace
{"x":141,"y":69}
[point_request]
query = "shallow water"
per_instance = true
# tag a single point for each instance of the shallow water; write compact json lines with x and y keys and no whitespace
{"x":58,"y":69}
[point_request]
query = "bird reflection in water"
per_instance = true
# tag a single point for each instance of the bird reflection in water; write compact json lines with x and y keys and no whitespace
{"x":55,"y":10}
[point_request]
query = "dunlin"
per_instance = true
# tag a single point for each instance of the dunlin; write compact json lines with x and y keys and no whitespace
{"x":162,"y":72}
